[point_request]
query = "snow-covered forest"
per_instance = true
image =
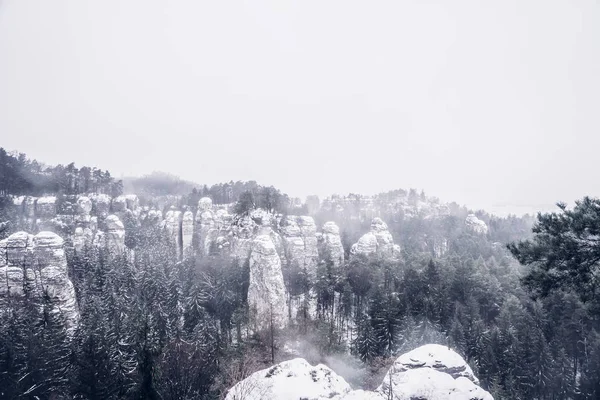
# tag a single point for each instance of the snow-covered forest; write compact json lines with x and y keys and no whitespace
{"x":171,"y":295}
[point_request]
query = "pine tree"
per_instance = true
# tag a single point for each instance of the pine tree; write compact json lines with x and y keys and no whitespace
{"x":365,"y":343}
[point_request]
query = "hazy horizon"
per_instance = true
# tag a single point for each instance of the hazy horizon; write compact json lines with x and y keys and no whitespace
{"x":494,"y":106}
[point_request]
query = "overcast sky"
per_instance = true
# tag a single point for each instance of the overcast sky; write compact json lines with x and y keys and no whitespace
{"x":493,"y":104}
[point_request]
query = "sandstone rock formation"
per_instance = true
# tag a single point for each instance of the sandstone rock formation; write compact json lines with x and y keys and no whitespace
{"x":41,"y":260}
{"x":266,"y":291}
{"x":205,"y":222}
{"x":430,"y":372}
{"x":101,"y":205}
{"x":115,"y":235}
{"x":476,"y":225}
{"x":187,"y":233}
{"x":331,"y":248}
{"x":377,"y":242}
{"x":299,"y":236}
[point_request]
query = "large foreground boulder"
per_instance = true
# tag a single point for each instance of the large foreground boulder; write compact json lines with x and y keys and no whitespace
{"x":293,"y":379}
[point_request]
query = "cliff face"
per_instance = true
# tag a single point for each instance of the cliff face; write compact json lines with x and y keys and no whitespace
{"x":266,"y":292}
{"x":40,"y":260}
{"x":430,"y":372}
{"x":331,"y":249}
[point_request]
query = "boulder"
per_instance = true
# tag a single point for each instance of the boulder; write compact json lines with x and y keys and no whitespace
{"x":432,"y":372}
{"x":293,"y":379}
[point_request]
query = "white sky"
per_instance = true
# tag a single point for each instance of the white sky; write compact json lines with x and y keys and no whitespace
{"x":493,"y":104}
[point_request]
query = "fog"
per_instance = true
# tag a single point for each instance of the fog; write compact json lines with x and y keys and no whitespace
{"x":490,"y":104}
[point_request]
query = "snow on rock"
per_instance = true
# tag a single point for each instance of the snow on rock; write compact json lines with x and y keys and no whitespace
{"x":119,"y":204}
{"x":82,"y":237}
{"x":46,"y":207}
{"x":300,"y":243}
{"x":266,"y":291}
{"x":172,"y":226}
{"x":115,"y":235}
{"x":293,"y":379}
{"x":438,"y":357}
{"x":432,"y":372}
{"x":205,"y":223}
{"x":187,"y":232}
{"x":331,"y":248}
{"x":132,"y":202}
{"x":378,"y":241}
{"x":101,"y":205}
{"x":84,"y":205}
{"x":41,"y":260}
{"x":476,"y":225}
{"x":242,"y":233}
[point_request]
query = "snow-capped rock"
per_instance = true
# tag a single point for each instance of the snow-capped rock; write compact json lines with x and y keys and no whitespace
{"x":299,"y":236}
{"x":293,"y":379}
{"x":432,"y":372}
{"x":115,"y":235}
{"x":205,"y":223}
{"x":101,"y":205}
{"x":84,"y":205}
{"x":266,"y":291}
{"x":476,"y":225}
{"x":46,"y":207}
{"x":187,"y":232}
{"x":172,"y":226}
{"x":331,"y":248}
{"x":119,"y":204}
{"x":378,"y":241}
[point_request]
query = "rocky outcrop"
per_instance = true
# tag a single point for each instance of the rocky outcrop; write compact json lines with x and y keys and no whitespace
{"x":173,"y":228}
{"x":266,"y":291}
{"x":46,"y":207}
{"x":430,"y":372}
{"x":243,"y":231}
{"x":299,"y":236}
{"x":293,"y":379}
{"x":331,"y":249}
{"x":41,"y":260}
{"x":476,"y":225}
{"x":187,"y":233}
{"x":378,"y":242}
{"x":101,"y":205}
{"x":115,"y":235}
{"x":205,"y":223}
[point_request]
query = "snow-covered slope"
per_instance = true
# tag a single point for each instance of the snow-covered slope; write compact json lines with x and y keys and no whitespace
{"x":430,"y":372}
